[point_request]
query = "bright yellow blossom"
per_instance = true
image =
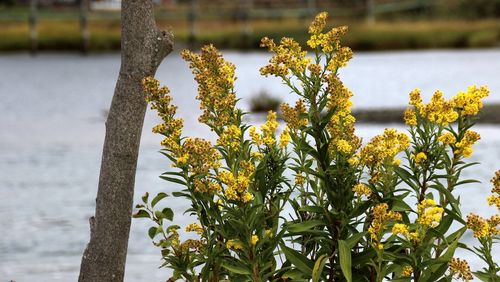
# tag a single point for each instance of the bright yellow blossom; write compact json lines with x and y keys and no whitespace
{"x":361,"y":189}
{"x":400,"y":228}
{"x":254,"y":240}
{"x":448,"y":138}
{"x":420,"y":158}
{"x":407,"y":271}
{"x":464,"y":145}
{"x":194,"y":227}
{"x":285,"y":138}
{"x":460,"y":269}
{"x":470,"y":103}
{"x":234,"y":244}
{"x":230,"y":137}
{"x":429,"y":214}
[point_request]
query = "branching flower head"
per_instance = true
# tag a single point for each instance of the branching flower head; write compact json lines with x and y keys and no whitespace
{"x":171,"y":127}
{"x":470,"y":103}
{"x":381,"y":217}
{"x":483,"y":228}
{"x":429,"y":214}
{"x":288,"y":57}
{"x":464,"y":145}
{"x":460,"y":269}
{"x":215,"y":77}
{"x":382,"y":149}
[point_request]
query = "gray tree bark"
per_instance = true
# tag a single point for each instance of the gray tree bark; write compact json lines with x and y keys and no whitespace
{"x":143,"y":47}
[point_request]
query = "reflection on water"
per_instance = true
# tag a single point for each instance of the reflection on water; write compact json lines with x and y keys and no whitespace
{"x":52,"y":132}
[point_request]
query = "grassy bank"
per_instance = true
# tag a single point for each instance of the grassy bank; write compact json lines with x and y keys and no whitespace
{"x":489,"y":115}
{"x":61,"y":31}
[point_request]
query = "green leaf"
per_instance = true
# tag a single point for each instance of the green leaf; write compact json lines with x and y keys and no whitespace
{"x":318,"y":267}
{"x":345,"y":260}
{"x":298,"y":260}
{"x":353,"y":240}
{"x":168,"y":213}
{"x":158,"y":198}
{"x":304,"y":226}
{"x":483,"y":276}
{"x":174,"y":180}
{"x":145,"y":198}
{"x":236,"y":269}
{"x":141,"y":213}
{"x":152,"y":232}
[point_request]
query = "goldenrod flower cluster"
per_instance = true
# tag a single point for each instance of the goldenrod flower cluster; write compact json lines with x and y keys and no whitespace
{"x":230,"y":137}
{"x":464,"y":146}
{"x":483,"y":228}
{"x":202,"y":156}
{"x":341,"y":125}
{"x":215,"y":77}
{"x":410,"y":117}
{"x":234,"y":244}
{"x":171,"y":127}
{"x":438,"y":110}
{"x":382,"y":149}
{"x":429,"y":214}
{"x":420,"y":158}
{"x":295,"y":117}
{"x":407,"y":271}
{"x":470,"y":103}
{"x":361,"y":189}
{"x":191,"y":244}
{"x":194,"y":227}
{"x":400,"y":228}
{"x":268,"y":132}
{"x":448,"y":138}
{"x":443,"y":112}
{"x":300,"y":179}
{"x":238,"y":183}
{"x":254,"y":240}
{"x":288,"y":56}
{"x":381,"y":217}
{"x":460,"y":269}
{"x":328,"y":42}
{"x":495,"y":198}
{"x":285,"y":138}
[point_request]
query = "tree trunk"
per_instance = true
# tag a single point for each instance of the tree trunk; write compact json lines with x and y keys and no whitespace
{"x":143,"y":47}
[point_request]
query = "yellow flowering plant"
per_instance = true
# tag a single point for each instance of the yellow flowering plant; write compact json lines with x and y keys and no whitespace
{"x":314,"y":202}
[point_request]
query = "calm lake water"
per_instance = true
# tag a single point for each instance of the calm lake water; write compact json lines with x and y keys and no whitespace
{"x":52,"y":128}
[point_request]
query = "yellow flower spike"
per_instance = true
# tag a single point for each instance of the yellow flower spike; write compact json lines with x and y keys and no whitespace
{"x":410,"y":117}
{"x":294,"y":117}
{"x":235,"y":245}
{"x":319,"y":23}
{"x":195,"y":227}
{"x":361,"y":189}
{"x":247,"y":197}
{"x":285,"y":138}
{"x":342,"y":56}
{"x":254,"y":240}
{"x":429,"y":214}
{"x":407,"y":271}
{"x":420,"y":158}
{"x":460,"y":269}
{"x":256,"y":138}
{"x":215,"y":77}
{"x":401,"y":229}
{"x":230,"y":138}
{"x":464,"y":146}
{"x":447,"y":138}
{"x":470,"y":103}
{"x":269,"y":233}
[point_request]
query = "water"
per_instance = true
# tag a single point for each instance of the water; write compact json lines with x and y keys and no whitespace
{"x":52,"y":128}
